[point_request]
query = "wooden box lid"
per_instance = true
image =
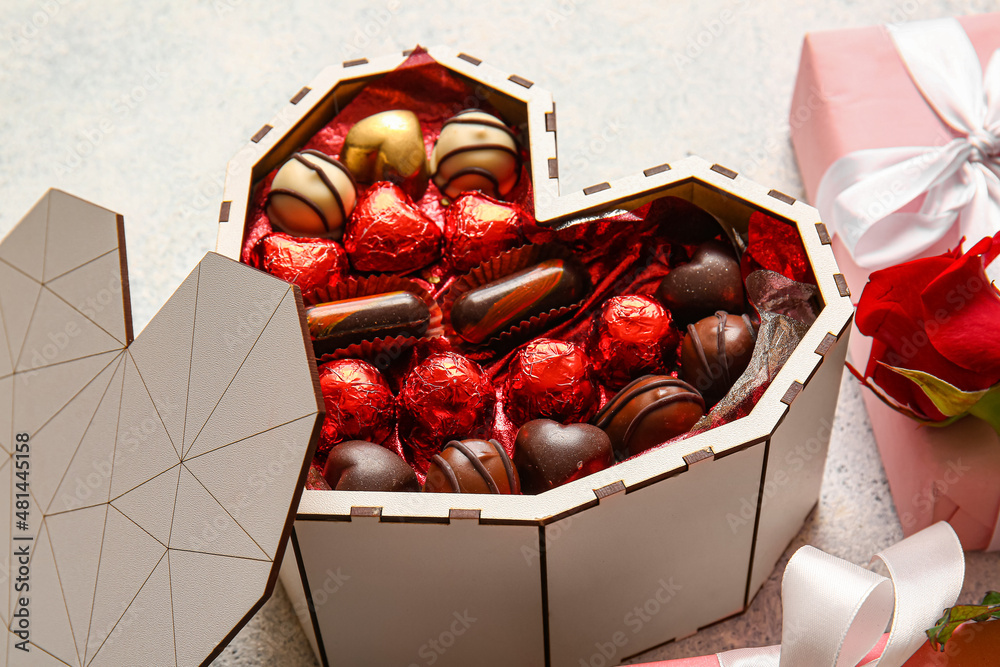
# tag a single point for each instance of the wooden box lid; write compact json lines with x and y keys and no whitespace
{"x":150,"y":481}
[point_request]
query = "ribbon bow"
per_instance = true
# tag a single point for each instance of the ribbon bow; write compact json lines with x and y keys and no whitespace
{"x":861,"y":193}
{"x":835,"y":612}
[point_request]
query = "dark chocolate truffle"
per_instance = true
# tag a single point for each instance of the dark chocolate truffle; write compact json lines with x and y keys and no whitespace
{"x":715,"y":352}
{"x":357,"y":465}
{"x":711,"y":281}
{"x":649,"y":411}
{"x":548,"y":454}
{"x":472,"y":466}
{"x":682,"y":222}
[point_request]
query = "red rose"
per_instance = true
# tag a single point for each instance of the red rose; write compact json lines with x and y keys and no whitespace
{"x":938,"y":316}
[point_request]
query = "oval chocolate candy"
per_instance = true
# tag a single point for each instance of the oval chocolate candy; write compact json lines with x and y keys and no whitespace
{"x":488,"y":310}
{"x":339,"y":324}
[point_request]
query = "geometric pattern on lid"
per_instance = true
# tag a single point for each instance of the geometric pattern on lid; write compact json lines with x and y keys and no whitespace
{"x":138,"y":557}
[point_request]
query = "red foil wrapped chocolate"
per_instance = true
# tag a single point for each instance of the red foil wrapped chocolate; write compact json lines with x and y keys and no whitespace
{"x":478,"y":228}
{"x":551,"y":379}
{"x":446,"y":397}
{"x":308,"y":263}
{"x":387,"y":232}
{"x":775,"y":245}
{"x":633,"y":335}
{"x":359,"y":403}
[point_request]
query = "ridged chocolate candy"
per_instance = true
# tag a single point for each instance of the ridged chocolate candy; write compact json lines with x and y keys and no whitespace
{"x":715,"y":352}
{"x":648,"y":411}
{"x":339,"y":324}
{"x":711,"y":281}
{"x":312,"y":195}
{"x":489,"y":310}
{"x":357,"y":465}
{"x":475,"y":151}
{"x":548,"y":454}
{"x":472,"y":466}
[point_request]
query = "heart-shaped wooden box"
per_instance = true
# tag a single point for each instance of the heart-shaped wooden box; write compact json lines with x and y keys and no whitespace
{"x":147,"y":484}
{"x":599,"y":569}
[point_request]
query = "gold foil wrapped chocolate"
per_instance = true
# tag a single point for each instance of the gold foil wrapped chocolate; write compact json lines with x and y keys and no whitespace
{"x":388,"y":146}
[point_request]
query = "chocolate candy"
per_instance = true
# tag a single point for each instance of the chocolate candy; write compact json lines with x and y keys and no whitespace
{"x":711,"y":281}
{"x":312,"y":195}
{"x":715,"y":352}
{"x":682,"y":222}
{"x":548,"y":454}
{"x":389,"y":233}
{"x":472,"y":466}
{"x":359,"y":403}
{"x":339,"y":324}
{"x":445,"y":397}
{"x":478,"y":228}
{"x":475,"y":151}
{"x":388,"y":146}
{"x":308,"y":263}
{"x":552,"y":379}
{"x":649,"y":411}
{"x":632,"y":335}
{"x":488,"y":310}
{"x":364,"y":466}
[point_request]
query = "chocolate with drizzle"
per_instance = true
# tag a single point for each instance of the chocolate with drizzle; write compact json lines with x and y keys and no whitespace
{"x":649,"y":411}
{"x":715,"y":352}
{"x":472,"y":466}
{"x":328,"y":225}
{"x":444,"y":183}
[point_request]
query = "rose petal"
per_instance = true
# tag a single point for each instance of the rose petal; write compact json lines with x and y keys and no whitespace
{"x":891,"y":311}
{"x":890,"y":304}
{"x":962,"y":309}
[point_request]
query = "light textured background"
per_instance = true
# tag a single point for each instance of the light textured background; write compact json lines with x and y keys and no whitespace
{"x":138,"y":107}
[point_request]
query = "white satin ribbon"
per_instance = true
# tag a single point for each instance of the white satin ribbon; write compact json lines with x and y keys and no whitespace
{"x":861,"y":193}
{"x":835,"y":612}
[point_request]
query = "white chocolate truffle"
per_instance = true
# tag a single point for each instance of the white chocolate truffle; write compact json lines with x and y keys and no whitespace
{"x":475,"y":151}
{"x":312,"y":195}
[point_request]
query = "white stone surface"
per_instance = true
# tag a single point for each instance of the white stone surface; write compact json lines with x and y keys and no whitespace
{"x":138,"y":107}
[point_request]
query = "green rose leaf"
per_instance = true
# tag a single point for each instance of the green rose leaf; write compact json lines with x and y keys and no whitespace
{"x":947,"y":398}
{"x":959,"y":614}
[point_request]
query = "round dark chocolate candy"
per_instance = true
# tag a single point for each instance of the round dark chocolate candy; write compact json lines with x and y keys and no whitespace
{"x":548,"y":454}
{"x":488,"y":310}
{"x":472,"y":466}
{"x":715,"y":352}
{"x":357,"y":465}
{"x":682,"y":222}
{"x":649,"y":411}
{"x":711,"y":281}
{"x":339,"y":324}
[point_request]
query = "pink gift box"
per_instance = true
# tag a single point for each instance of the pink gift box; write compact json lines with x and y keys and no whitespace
{"x":713,"y":661}
{"x":973,"y":644}
{"x":853,"y":92}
